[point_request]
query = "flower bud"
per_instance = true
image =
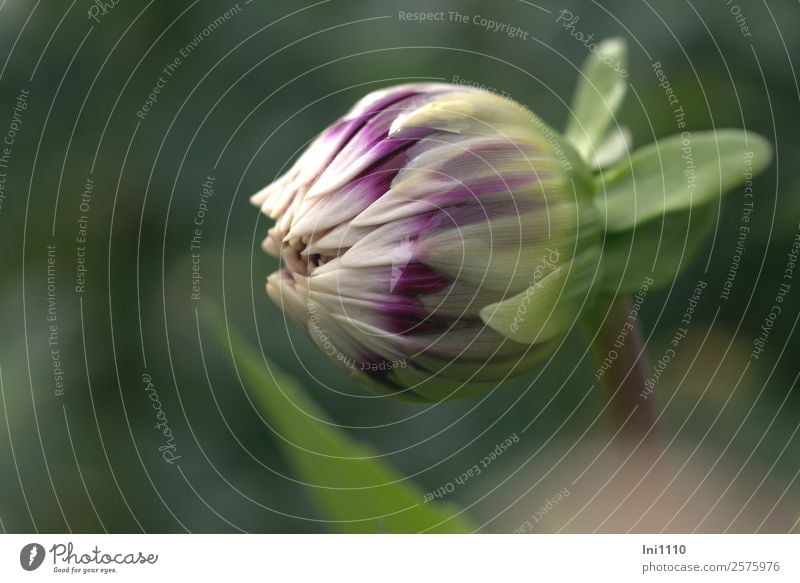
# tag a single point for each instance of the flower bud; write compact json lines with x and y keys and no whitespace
{"x":435,"y":241}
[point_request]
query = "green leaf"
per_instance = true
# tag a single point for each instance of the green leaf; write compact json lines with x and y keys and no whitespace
{"x":659,"y":249}
{"x":615,"y":147}
{"x":676,"y":173}
{"x":600,"y":91}
{"x":355,"y":490}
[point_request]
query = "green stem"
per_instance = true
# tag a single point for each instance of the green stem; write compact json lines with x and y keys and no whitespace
{"x":623,"y":368}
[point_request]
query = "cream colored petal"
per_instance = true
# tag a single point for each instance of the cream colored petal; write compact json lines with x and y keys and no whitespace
{"x":474,"y":113}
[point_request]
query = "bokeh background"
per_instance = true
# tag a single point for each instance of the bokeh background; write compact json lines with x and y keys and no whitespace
{"x":85,"y":457}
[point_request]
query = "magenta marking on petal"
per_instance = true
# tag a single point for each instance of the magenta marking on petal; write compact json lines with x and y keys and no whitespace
{"x":406,"y":316}
{"x":371,"y":139}
{"x":339,"y":136}
{"x":391,"y":156}
{"x":415,"y":279}
{"x":376,"y":120}
{"x":377,"y":179}
{"x":374,"y":132}
{"x":373,"y":143}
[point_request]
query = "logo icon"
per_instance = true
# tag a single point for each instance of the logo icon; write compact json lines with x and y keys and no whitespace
{"x":31,"y":556}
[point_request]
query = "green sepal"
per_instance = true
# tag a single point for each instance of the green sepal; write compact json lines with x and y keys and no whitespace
{"x":600,"y":91}
{"x":549,"y":306}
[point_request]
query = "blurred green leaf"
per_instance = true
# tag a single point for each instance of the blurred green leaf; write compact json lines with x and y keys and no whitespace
{"x":600,"y":91}
{"x":676,"y":173}
{"x":356,"y":491}
{"x":656,"y":249}
{"x":616,"y":146}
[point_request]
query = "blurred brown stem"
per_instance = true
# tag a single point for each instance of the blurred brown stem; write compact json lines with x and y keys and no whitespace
{"x":623,"y":368}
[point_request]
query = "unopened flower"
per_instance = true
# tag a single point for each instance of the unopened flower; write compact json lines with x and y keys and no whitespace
{"x":435,"y":240}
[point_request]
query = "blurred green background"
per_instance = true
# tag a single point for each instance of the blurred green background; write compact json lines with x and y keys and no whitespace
{"x":243,"y":100}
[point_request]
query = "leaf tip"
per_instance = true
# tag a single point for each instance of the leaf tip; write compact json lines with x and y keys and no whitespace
{"x":761,"y":150}
{"x":615,"y":47}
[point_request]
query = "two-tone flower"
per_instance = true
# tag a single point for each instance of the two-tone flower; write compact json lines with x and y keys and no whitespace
{"x":435,"y":240}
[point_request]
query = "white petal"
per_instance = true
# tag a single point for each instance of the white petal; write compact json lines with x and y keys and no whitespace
{"x":338,"y":238}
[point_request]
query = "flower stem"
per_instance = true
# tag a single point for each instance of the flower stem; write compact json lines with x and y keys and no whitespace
{"x":623,"y":368}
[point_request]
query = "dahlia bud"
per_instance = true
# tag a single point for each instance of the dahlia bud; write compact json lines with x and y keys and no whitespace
{"x":435,"y":240}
